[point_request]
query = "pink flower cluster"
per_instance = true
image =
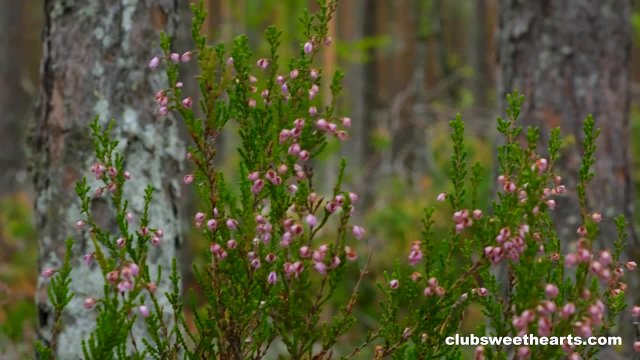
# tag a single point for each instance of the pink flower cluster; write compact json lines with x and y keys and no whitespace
{"x":124,"y":277}
{"x":508,"y":245}
{"x":463,"y":219}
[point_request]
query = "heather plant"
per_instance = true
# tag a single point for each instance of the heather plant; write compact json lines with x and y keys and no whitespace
{"x":279,"y":249}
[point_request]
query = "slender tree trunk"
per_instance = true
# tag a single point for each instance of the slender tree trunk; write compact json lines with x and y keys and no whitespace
{"x":95,"y":56}
{"x":14,"y":101}
{"x":569,"y":59}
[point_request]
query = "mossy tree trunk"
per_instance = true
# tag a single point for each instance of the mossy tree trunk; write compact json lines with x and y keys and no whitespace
{"x":570,"y":59}
{"x":95,"y":56}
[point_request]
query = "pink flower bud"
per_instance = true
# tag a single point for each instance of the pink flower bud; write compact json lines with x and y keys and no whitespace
{"x":346,"y":122}
{"x":551,"y":204}
{"x":631,"y":265}
{"x":113,"y":276}
{"x":175,"y":57}
{"x":89,"y":302}
{"x":351,"y":254}
{"x":304,"y":155}
{"x":187,"y":102}
{"x":272,"y":278}
{"x":187,"y":179}
{"x":636,"y":346}
{"x":567,"y":310}
{"x":308,"y":47}
{"x":199,"y":217}
{"x":155,"y":241}
{"x":212,"y":224}
{"x":121,"y":242}
{"x":551,"y":291}
{"x":88,"y":258}
{"x":311,"y":220}
{"x":144,"y":311}
{"x":570,"y":260}
{"x":48,"y":272}
{"x":232,"y":224}
{"x":294,"y":73}
{"x":252,"y":103}
{"x":313,"y":111}
{"x":179,"y":85}
{"x":80,"y":224}
{"x":258,"y":185}
{"x":482,"y":292}
{"x":582,"y":231}
{"x":163,"y":110}
{"x":441,"y":197}
{"x":358,"y":232}
{"x":314,"y":74}
{"x":597,"y":217}
{"x":262,"y":63}
{"x":394,"y":284}
{"x":155,"y":61}
{"x":186,"y":57}
{"x":342,"y":135}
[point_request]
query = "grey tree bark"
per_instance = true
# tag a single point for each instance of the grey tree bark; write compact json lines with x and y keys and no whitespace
{"x":569,"y":59}
{"x":95,"y":56}
{"x":14,"y":100}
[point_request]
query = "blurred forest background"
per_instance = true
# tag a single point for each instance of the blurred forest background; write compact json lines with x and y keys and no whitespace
{"x":411,"y":65}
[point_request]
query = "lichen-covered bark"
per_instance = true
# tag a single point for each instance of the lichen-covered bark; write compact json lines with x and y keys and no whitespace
{"x":95,"y":56}
{"x":569,"y":59}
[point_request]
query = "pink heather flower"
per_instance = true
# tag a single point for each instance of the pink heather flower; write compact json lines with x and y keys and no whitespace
{"x":163,"y":110}
{"x":606,"y":258}
{"x":346,"y":122}
{"x":232,"y":244}
{"x":304,"y":155}
{"x":127,"y":175}
{"x":541,"y":164}
{"x":144,"y":311}
{"x":477,"y":214}
{"x":272,"y":278}
{"x":479,"y":353}
{"x":121,"y":242}
{"x":311,"y":220}
{"x":342,"y":135}
{"x":314,"y":74}
{"x":321,"y":124}
{"x":284,"y":135}
{"x":282,"y":169}
{"x":179,"y":84}
{"x":89,"y":302}
{"x":567,"y":310}
{"x":262,"y":63}
{"x":415,"y":257}
{"x":230,"y":61}
{"x":135,"y":270}
{"x":270,"y":258}
{"x":327,"y":41}
{"x":251,"y":103}
{"x":636,"y":346}
{"x":582,"y":231}
{"x":574,"y":356}
{"x":113,"y":276}
{"x":293,"y":188}
{"x":88,"y":258}
{"x":597,"y":217}
{"x":125,"y":286}
{"x":544,"y":326}
{"x":551,"y":204}
{"x":280,"y":79}
{"x":304,"y":251}
{"x":551,"y":291}
{"x":308,"y":47}
{"x":320,"y":267}
{"x":313,"y":111}
{"x":80,"y":224}
{"x":258,"y":185}
{"x":187,"y":102}
{"x":215,"y":248}
{"x":186,"y":57}
{"x":294,"y":149}
{"x":154,"y":62}
{"x":350,"y":254}
{"x":570,"y":260}
{"x":635,"y":311}
{"x":631,"y":265}
{"x":284,"y":88}
{"x":294,"y":73}
{"x":232,"y":224}
{"x":212,"y":224}
{"x":155,"y":241}
{"x":482,"y":292}
{"x":187,"y":179}
{"x":394,"y":284}
{"x":254,"y":176}
{"x":199,"y":217}
{"x":358,"y":232}
{"x":255,"y":263}
{"x":524,"y":352}
{"x":441,"y":197}
{"x":175,"y":57}
{"x":48,"y":272}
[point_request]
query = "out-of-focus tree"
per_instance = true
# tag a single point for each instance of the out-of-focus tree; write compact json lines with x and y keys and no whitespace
{"x":95,"y":63}
{"x":569,"y":59}
{"x":14,"y":100}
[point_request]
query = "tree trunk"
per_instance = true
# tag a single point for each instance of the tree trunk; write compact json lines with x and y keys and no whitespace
{"x":569,"y":59}
{"x":14,"y":101}
{"x":95,"y":56}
